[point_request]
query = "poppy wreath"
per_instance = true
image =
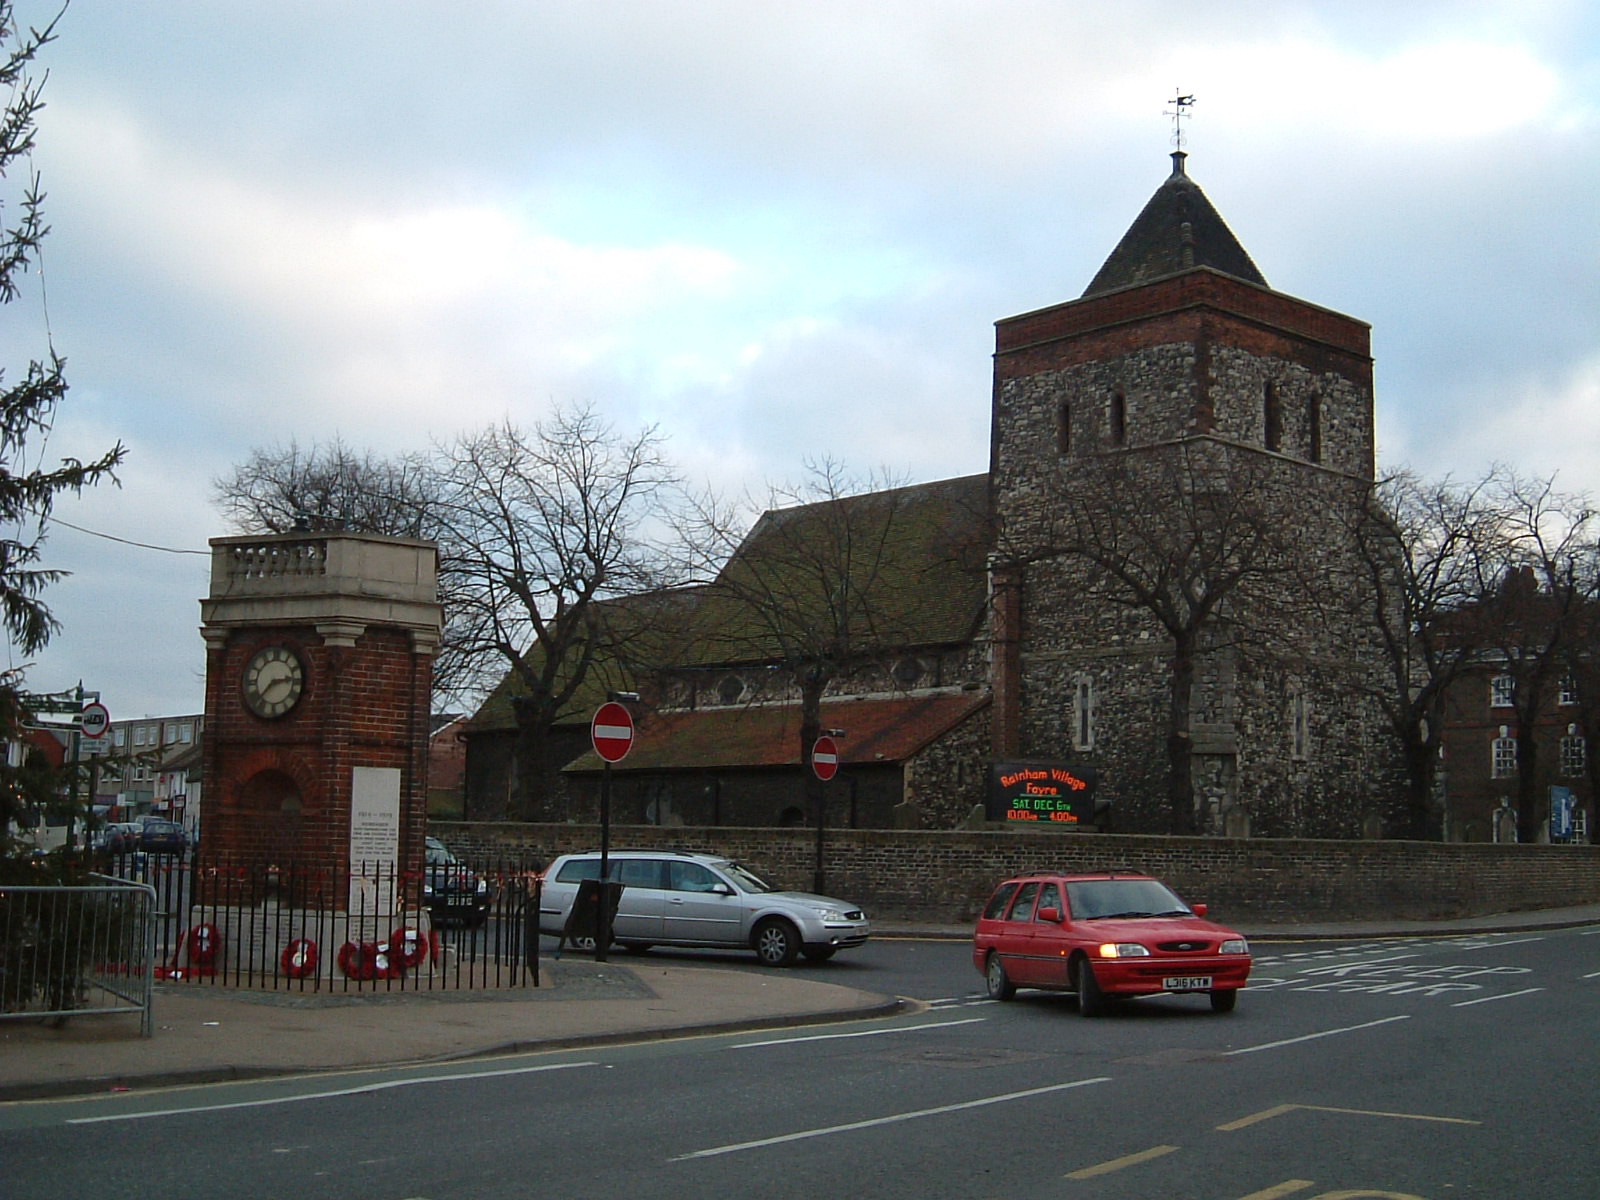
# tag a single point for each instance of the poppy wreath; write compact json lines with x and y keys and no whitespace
{"x":407,"y":947}
{"x":203,"y":942}
{"x":359,"y":960}
{"x":299,"y":959}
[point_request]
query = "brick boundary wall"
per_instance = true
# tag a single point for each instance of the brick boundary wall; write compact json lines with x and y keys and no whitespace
{"x":940,"y":876}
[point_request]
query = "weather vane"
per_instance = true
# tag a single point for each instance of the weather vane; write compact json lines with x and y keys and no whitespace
{"x":1181,"y":105}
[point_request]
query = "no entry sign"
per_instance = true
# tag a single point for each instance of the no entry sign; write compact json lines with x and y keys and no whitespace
{"x":825,"y":758}
{"x":612,"y":732}
{"x":95,"y":720}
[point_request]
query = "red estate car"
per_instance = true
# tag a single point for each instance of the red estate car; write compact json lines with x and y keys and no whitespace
{"x":1104,"y":935}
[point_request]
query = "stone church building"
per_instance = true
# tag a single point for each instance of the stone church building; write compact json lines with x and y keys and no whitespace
{"x":1178,"y":460}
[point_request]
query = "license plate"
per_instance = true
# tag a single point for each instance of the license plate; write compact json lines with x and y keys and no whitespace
{"x":457,"y":901}
{"x":1187,"y":983}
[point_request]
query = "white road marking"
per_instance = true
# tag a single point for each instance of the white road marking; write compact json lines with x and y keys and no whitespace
{"x":385,"y":1085}
{"x":825,"y":1037}
{"x":894,"y":1119}
{"x":1487,"y":999}
{"x":1311,"y":1037}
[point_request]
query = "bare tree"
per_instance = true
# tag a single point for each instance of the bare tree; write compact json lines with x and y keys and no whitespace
{"x":537,"y":528}
{"x":1539,"y":611}
{"x":279,"y":489}
{"x":830,"y":580}
{"x":1186,"y":535}
{"x":1431,"y":555}
{"x":804,"y":588}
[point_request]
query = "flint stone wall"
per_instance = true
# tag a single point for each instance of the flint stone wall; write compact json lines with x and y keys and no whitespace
{"x":945,"y":876}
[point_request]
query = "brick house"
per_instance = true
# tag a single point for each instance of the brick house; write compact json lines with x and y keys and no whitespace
{"x":1518,"y":721}
{"x":1179,"y":367}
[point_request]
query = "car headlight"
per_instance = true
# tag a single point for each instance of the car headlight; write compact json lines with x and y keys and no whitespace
{"x":1234,"y":946}
{"x":483,"y":887}
{"x":1124,"y":950}
{"x":830,"y":914}
{"x":427,"y":890}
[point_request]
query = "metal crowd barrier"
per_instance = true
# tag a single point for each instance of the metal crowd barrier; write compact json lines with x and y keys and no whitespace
{"x":69,"y":950}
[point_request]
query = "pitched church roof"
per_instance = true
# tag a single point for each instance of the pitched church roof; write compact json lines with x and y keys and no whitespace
{"x":1177,"y":230}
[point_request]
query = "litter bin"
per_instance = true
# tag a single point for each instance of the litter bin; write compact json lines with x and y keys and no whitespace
{"x":583,"y":922}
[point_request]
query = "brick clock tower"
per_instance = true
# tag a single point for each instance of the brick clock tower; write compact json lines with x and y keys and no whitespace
{"x":319,"y":662}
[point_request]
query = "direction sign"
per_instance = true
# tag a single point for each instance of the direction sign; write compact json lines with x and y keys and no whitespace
{"x":612,"y":732}
{"x":825,"y":758}
{"x":94,"y":720}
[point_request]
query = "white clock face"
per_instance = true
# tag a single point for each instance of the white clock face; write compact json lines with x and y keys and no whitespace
{"x":273,"y":681}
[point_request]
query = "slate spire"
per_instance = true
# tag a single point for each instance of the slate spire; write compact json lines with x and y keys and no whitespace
{"x":1177,"y":230}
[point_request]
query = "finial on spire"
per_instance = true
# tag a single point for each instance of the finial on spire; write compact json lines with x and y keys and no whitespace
{"x":1181,"y":104}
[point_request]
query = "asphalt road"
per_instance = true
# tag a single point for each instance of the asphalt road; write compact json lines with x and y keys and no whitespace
{"x":1425,"y":1068}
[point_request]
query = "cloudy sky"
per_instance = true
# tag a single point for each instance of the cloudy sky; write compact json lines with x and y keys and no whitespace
{"x":776,"y":230}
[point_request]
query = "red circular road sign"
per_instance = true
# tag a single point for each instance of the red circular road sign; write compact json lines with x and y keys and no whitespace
{"x":825,"y":758}
{"x":612,"y":732}
{"x":94,"y":720}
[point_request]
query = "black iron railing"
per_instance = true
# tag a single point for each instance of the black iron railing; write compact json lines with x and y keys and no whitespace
{"x":368,"y":927}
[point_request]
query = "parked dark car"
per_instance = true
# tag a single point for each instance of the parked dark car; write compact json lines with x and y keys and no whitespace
{"x":453,"y":892}
{"x":163,"y":837}
{"x":122,"y":837}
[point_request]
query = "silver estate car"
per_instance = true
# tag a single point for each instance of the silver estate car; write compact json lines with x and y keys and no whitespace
{"x":672,"y":898}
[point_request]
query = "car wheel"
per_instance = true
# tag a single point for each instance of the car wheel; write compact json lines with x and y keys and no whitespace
{"x":1091,"y":1000}
{"x":819,"y":953}
{"x":995,"y":979}
{"x":582,"y":942}
{"x":1223,"y":999}
{"x":776,"y":943}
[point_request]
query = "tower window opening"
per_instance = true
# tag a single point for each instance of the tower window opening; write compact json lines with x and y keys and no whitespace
{"x":1119,"y":419}
{"x":1272,"y":418}
{"x":1314,"y":428}
{"x":1064,"y":428}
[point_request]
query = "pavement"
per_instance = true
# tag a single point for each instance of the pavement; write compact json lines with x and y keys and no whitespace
{"x":205,"y":1033}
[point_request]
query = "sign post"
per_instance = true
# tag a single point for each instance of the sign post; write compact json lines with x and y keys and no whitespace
{"x":824,"y":765}
{"x":611,"y":731}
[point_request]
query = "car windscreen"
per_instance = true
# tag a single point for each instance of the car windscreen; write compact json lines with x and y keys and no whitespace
{"x":1097,"y":899}
{"x":743,"y":878}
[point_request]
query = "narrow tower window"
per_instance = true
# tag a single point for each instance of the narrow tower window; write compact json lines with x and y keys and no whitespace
{"x":1299,"y":727}
{"x":1314,"y":428}
{"x":1271,"y":418}
{"x":1119,"y":418}
{"x":1083,"y":712}
{"x":1064,"y":428}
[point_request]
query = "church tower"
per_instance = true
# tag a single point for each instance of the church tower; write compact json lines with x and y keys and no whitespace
{"x":1178,"y":427}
